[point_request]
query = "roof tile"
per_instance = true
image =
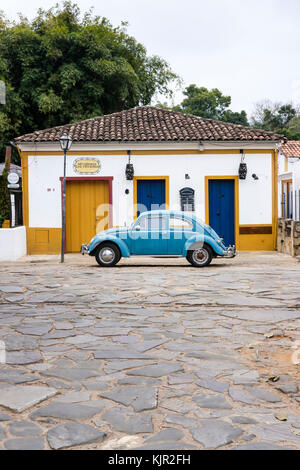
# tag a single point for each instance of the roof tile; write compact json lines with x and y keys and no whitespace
{"x":291,"y":148}
{"x":150,"y":124}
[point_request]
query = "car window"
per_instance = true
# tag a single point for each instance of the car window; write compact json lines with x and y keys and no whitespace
{"x":179,"y":223}
{"x":153,"y":223}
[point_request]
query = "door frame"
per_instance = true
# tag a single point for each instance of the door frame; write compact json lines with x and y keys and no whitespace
{"x":288,"y":182}
{"x":235,"y":178}
{"x":92,"y":178}
{"x":137,"y":178}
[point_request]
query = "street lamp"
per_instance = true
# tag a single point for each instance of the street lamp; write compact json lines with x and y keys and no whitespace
{"x":65,"y":143}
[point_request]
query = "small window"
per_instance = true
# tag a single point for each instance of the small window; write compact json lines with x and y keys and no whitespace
{"x":178,"y":223}
{"x":187,"y":199}
{"x":153,"y":223}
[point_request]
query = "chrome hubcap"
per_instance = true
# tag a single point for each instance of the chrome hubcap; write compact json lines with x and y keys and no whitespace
{"x":200,"y":256}
{"x":107,"y":255}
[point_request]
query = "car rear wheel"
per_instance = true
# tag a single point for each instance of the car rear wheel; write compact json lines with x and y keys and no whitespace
{"x":107,"y":255}
{"x":200,"y":257}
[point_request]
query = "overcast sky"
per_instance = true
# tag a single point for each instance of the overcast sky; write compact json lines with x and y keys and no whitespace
{"x":249,"y":49}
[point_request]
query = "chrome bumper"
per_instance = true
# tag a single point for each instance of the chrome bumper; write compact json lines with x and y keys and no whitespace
{"x":84,"y":249}
{"x":230,"y":252}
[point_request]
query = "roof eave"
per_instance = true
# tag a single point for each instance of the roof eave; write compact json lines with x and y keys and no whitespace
{"x":132,"y":145}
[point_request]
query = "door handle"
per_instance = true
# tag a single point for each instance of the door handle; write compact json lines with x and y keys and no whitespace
{"x":218,"y":213}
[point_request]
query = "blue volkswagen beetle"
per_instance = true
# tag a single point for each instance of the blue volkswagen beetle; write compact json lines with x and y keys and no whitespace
{"x":159,"y":233}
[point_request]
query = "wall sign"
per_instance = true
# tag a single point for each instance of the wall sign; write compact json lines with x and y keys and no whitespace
{"x":86,"y":166}
{"x":13,"y":178}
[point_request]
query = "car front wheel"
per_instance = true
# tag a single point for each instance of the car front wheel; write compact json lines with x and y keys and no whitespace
{"x":200,"y":257}
{"x":107,"y":255}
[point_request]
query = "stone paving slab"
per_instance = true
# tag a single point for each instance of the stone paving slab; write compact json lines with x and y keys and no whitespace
{"x":19,"y":398}
{"x":165,"y":357}
{"x":71,"y":434}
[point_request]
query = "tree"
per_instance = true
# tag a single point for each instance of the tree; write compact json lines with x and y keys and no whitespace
{"x":209,"y":104}
{"x":235,"y":117}
{"x":276,"y":117}
{"x":61,"y":68}
{"x":4,"y":197}
{"x":293,"y":131}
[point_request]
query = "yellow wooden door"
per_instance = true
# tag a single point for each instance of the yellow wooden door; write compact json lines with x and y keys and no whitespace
{"x":87,"y":211}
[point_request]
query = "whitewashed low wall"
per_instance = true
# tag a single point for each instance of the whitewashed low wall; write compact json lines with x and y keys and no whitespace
{"x":12,"y":243}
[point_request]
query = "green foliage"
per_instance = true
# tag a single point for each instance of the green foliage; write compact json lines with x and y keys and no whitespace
{"x":277,"y":117}
{"x":163,"y":105}
{"x":235,"y":117}
{"x":4,"y":197}
{"x":293,"y":131}
{"x":61,"y":68}
{"x":210,"y":104}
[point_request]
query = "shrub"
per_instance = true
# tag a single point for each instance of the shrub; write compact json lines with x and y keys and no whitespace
{"x":4,"y":197}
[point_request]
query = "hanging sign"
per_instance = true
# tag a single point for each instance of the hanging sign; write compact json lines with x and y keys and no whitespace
{"x":86,"y":166}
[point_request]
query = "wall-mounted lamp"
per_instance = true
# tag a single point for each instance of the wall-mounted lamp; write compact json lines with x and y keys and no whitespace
{"x":255,"y":177}
{"x":129,"y":171}
{"x":187,"y":176}
{"x":242,"y":167}
{"x":126,"y":191}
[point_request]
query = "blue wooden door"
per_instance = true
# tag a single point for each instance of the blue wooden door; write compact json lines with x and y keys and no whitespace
{"x":151,"y":195}
{"x":222,"y":209}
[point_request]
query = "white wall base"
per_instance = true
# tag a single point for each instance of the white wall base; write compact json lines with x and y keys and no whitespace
{"x":12,"y":243}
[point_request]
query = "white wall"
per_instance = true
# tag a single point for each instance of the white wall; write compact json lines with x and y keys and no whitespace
{"x":296,"y":175}
{"x":12,"y":243}
{"x":255,"y":197}
{"x":292,"y":173}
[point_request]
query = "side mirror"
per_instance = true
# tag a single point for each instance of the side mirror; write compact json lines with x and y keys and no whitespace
{"x":137,"y":228}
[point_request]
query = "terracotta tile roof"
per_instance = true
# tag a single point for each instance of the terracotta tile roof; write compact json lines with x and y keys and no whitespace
{"x":150,"y":124}
{"x":291,"y":148}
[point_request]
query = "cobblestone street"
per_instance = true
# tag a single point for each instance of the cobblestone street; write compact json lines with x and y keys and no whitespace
{"x":150,"y":354}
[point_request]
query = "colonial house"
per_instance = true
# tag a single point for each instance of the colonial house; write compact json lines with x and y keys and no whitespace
{"x":289,"y":180}
{"x":289,"y":198}
{"x":145,"y":158}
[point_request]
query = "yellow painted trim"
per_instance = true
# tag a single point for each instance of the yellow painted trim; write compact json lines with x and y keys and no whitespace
{"x":286,"y":164}
{"x":256,"y":242}
{"x":76,"y":152}
{"x":43,"y":240}
{"x":150,"y":152}
{"x":236,"y":203}
{"x":135,"y":180}
{"x":166,"y":152}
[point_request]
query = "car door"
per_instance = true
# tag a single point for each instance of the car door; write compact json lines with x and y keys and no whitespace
{"x":180,"y":229}
{"x":222,"y":208}
{"x":149,"y":235}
